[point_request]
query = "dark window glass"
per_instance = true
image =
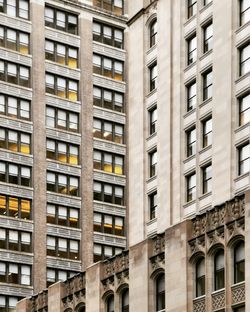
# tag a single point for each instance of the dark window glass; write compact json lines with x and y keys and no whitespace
{"x":160,"y":293}
{"x":207,"y":179}
{"x":192,"y":7}
{"x":239,"y":262}
{"x":152,"y":205}
{"x":108,"y":99}
{"x":108,"y":34}
{"x":207,"y":85}
{"x":200,"y":278}
{"x":191,"y":142}
{"x":208,"y":37}
{"x":191,"y":187}
{"x":244,"y":158}
{"x":245,"y":60}
{"x":153,"y":33}
{"x":115,"y":6}
{"x":192,"y":50}
{"x":219,"y":270}
{"x":153,"y":77}
{"x":244,"y":110}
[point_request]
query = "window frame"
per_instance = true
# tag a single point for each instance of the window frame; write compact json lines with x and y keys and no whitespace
{"x":19,"y":143}
{"x":191,"y":8}
{"x":66,"y":254}
{"x":207,"y":41}
{"x":6,"y":202}
{"x":56,"y":186}
{"x":16,"y":78}
{"x":108,"y":72}
{"x":241,"y":162}
{"x":101,"y":163}
{"x":238,"y":263}
{"x":114,"y":9}
{"x":19,"y":177}
{"x":100,"y":37}
{"x":200,"y":279}
{"x":207,"y":136}
{"x":153,"y":204}
{"x":114,"y":199}
{"x":160,"y":294}
{"x":153,"y":33}
{"x":152,"y":77}
{"x":100,"y":227}
{"x":206,"y":178}
{"x":100,"y":101}
{"x":102,"y":255}
{"x":55,"y":155}
{"x":17,"y":9}
{"x":245,"y":111}
{"x":190,"y":144}
{"x":190,"y":58}
{"x":219,"y":273}
{"x":241,"y":13}
{"x":242,"y":72}
{"x":5,"y":107}
{"x":17,"y":244}
{"x":17,"y":41}
{"x":56,"y":119}
{"x":207,"y":86}
{"x":113,"y":136}
{"x":55,"y":218}
{"x":191,"y":190}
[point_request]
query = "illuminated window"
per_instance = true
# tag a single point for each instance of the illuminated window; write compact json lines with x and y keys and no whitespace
{"x":15,"y":207}
{"x":62,"y":215}
{"x":15,"y":8}
{"x":115,"y":6}
{"x":15,"y":141}
{"x":14,"y":40}
{"x":108,"y":67}
{"x":108,"y":162}
{"x":63,"y":248}
{"x":15,"y":73}
{"x":109,"y":193}
{"x":108,"y":35}
{"x":63,"y":152}
{"x":108,"y":224}
{"x":108,"y":99}
{"x":15,"y":240}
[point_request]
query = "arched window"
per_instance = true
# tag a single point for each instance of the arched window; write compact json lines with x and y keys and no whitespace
{"x":239,"y":262}
{"x":110,"y":304}
{"x":219,"y":270}
{"x":125,"y":300}
{"x":81,"y":309}
{"x":153,"y":33}
{"x":160,"y":293}
{"x":200,"y":277}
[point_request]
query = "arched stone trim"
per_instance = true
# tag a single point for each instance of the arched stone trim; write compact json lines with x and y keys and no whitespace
{"x":214,"y":248}
{"x":122,"y":288}
{"x":156,"y":273}
{"x":150,"y":20}
{"x":235,"y":240}
{"x":80,"y":306}
{"x":196,"y":257}
{"x":107,"y":294}
{"x":68,"y":310}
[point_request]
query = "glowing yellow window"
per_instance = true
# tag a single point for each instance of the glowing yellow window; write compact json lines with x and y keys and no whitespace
{"x":107,"y":163}
{"x":73,"y":155}
{"x":25,"y":208}
{"x":61,"y":54}
{"x":13,"y":141}
{"x":3,"y":206}
{"x":118,"y":165}
{"x":118,"y":226}
{"x":118,"y":68}
{"x":25,"y":143}
{"x":73,"y":91}
{"x":13,"y":207}
{"x":62,"y":152}
{"x":24,"y":43}
{"x":72,"y":58}
{"x":73,"y":217}
{"x":108,"y":224}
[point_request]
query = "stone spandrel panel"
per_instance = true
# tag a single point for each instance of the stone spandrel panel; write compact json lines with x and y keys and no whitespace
{"x":109,"y":83}
{"x":16,"y":23}
{"x":62,"y":70}
{"x":63,"y":103}
{"x":63,"y":264}
{"x":63,"y":168}
{"x":15,"y":257}
{"x":112,"y":241}
{"x":63,"y":136}
{"x":109,"y":115}
{"x":17,"y":224}
{"x":63,"y":232}
{"x":16,"y":158}
{"x":15,"y":57}
{"x":15,"y":124}
{"x":62,"y":37}
{"x":16,"y":191}
{"x":109,"y":147}
{"x":16,"y":91}
{"x":66,"y":200}
{"x":19,"y":291}
{"x":110,"y":209}
{"x":109,"y":51}
{"x":109,"y":178}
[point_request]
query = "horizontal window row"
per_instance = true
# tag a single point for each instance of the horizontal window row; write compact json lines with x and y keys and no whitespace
{"x":61,"y":53}
{"x":15,"y":174}
{"x":15,"y":240}
{"x":16,"y":207}
{"x":15,"y":8}
{"x":62,"y":87}
{"x":109,"y":131}
{"x":63,"y":184}
{"x":108,"y":224}
{"x":108,"y":67}
{"x":62,"y":119}
{"x":15,"y":73}
{"x":63,"y":248}
{"x":102,"y":252}
{"x":62,"y":215}
{"x":109,"y":193}
{"x":14,"y":273}
{"x":61,"y":20}
{"x":15,"y":141}
{"x":15,"y":107}
{"x":14,"y":40}
{"x":115,"y":6}
{"x":108,"y":99}
{"x":108,"y":162}
{"x":63,"y":152}
{"x":56,"y":275}
{"x":8,"y":303}
{"x":108,"y":34}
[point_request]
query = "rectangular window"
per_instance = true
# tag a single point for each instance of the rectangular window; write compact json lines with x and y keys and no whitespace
{"x":15,"y":207}
{"x":108,"y":224}
{"x":114,"y":6}
{"x":191,"y":8}
{"x":15,"y":73}
{"x":207,"y":132}
{"x":108,"y":99}
{"x":108,"y":34}
{"x":15,"y":8}
{"x":152,"y":120}
{"x":102,"y":252}
{"x":14,"y":107}
{"x":153,"y":77}
{"x":152,"y":164}
{"x":152,"y":205}
{"x":63,"y":184}
{"x":63,"y":248}
{"x":244,"y":109}
{"x":208,"y":37}
{"x":15,"y":240}
{"x":62,"y":119}
{"x":244,"y":158}
{"x":15,"y":141}
{"x":108,"y":67}
{"x":108,"y":162}
{"x":207,"y":179}
{"x":61,"y":20}
{"x":62,"y":215}
{"x":245,"y":60}
{"x":244,"y":11}
{"x":110,"y":131}
{"x":191,"y":187}
{"x":56,"y":275}
{"x":15,"y":174}
{"x":192,"y":49}
{"x":63,"y":152}
{"x":16,"y":273}
{"x":108,"y":193}
{"x":191,"y":142}
{"x":207,"y":85}
{"x":191,"y":96}
{"x":14,"y":40}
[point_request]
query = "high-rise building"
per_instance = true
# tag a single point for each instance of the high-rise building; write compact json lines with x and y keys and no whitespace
{"x":62,"y":140}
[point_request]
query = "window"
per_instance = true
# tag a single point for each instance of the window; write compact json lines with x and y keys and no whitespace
{"x":191,"y":187}
{"x":62,"y":215}
{"x":15,"y":141}
{"x":245,"y":60}
{"x":206,"y":2}
{"x":62,"y":119}
{"x":15,"y":8}
{"x":108,"y":34}
{"x":110,"y":304}
{"x":125,"y":300}
{"x":207,"y":132}
{"x":160,"y":293}
{"x":108,"y":99}
{"x":55,"y":275}
{"x":191,"y":142}
{"x":61,"y":20}
{"x":244,"y":158}
{"x":244,"y":110}
{"x":8,"y":303}
{"x":109,"y":193}
{"x":152,"y":205}
{"x":108,"y":67}
{"x":115,"y":6}
{"x":62,"y":248}
{"x":207,"y":179}
{"x":15,"y":240}
{"x":107,"y":162}
{"x":152,"y":164}
{"x":63,"y":184}
{"x":62,"y":87}
{"x":108,"y":224}
{"x":109,"y":131}
{"x":61,"y":54}
{"x":192,"y":49}
{"x":207,"y":85}
{"x":14,"y":107}
{"x":15,"y":174}
{"x":208,"y":37}
{"x":153,"y":77}
{"x":239,"y":262}
{"x":244,"y":11}
{"x":14,"y":273}
{"x":219,"y":270}
{"x":200,"y":277}
{"x":14,"y":40}
{"x":191,"y":96}
{"x":15,"y":207}
{"x":192,"y":7}
{"x":15,"y":73}
{"x":102,"y":252}
{"x":153,"y":33}
{"x":239,"y":309}
{"x":63,"y":152}
{"x":152,"y":120}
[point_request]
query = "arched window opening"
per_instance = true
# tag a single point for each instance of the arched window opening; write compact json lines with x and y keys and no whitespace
{"x":125,"y":301}
{"x":219,"y":270}
{"x":153,"y":33}
{"x":81,"y":309}
{"x":110,"y":304}
{"x":160,"y":293}
{"x":200,"y":277}
{"x":239,"y":262}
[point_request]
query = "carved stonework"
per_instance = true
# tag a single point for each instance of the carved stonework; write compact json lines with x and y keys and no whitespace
{"x":122,"y":278}
{"x":158,"y":244}
{"x":158,"y":261}
{"x":116,"y":264}
{"x":215,"y":237}
{"x":199,"y":225}
{"x":197,"y":245}
{"x":108,"y":283}
{"x":218,"y":300}
{"x":238,"y":293}
{"x":39,"y":302}
{"x":236,"y":227}
{"x":199,"y":305}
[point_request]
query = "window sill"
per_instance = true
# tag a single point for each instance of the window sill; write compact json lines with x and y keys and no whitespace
{"x":241,"y":27}
{"x":62,"y":163}
{"x":28,"y":21}
{"x":97,"y":202}
{"x":189,"y":158}
{"x":53,"y":225}
{"x":205,"y":195}
{"x":13,"y":85}
{"x":199,"y":298}
{"x":190,"y":19}
{"x":58,"y":98}
{"x":63,"y":195}
{"x":190,"y":203}
{"x":216,"y":292}
{"x":62,"y":32}
{"x":64,"y":131}
{"x":204,"y":149}
{"x":63,"y":259}
{"x":17,"y":119}
{"x":243,"y":77}
{"x":19,"y":220}
{"x":123,"y":176}
{"x":188,"y":67}
{"x":151,"y":136}
{"x":109,"y":46}
{"x":109,"y":79}
{"x":205,"y":102}
{"x":238,"y":284}
{"x":77,"y":69}
{"x":151,"y":49}
{"x":242,"y":176}
{"x":206,"y":6}
{"x":189,"y":112}
{"x":110,"y":235}
{"x":17,"y":53}
{"x":204,"y":55}
{"x":240,"y":128}
{"x":109,"y":142}
{"x":150,"y":179}
{"x":151,"y":93}
{"x":109,"y":111}
{"x":17,"y":153}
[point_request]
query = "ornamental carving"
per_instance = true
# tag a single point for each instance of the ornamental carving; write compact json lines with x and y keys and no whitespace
{"x":215,"y":237}
{"x":236,"y":227}
{"x":158,"y":261}
{"x":199,"y":305}
{"x":158,"y":244}
{"x":238,"y":293}
{"x":116,"y":264}
{"x":218,"y":300}
{"x":40,"y":301}
{"x":197,"y":245}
